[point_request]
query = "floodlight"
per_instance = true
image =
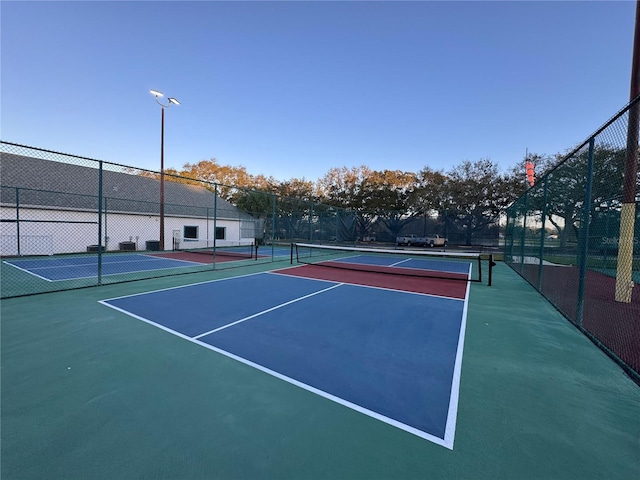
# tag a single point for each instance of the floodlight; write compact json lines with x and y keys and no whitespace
{"x":156,"y":93}
{"x":173,"y":100}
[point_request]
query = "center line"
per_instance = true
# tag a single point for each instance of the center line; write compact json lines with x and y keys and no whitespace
{"x":266,"y":311}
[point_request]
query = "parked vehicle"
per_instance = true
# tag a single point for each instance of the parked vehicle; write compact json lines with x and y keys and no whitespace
{"x":428,"y":241}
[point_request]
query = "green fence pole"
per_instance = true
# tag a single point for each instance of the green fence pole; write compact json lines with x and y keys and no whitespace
{"x":215,"y":221}
{"x":543,"y":232}
{"x":310,"y":222}
{"x":100,"y":223}
{"x":508,"y":233}
{"x":206,"y":213}
{"x":585,"y":233}
{"x":18,"y":219}
{"x":106,"y":233}
{"x":524,"y":231}
{"x":273,"y":227}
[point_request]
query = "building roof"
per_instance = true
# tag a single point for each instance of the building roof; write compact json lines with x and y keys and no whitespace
{"x":47,"y":183}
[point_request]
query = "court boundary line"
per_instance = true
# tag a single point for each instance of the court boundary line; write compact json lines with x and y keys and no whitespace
{"x":28,"y":272}
{"x":452,"y":414}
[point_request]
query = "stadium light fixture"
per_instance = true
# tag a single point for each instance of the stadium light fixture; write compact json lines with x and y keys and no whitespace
{"x":157,"y":94}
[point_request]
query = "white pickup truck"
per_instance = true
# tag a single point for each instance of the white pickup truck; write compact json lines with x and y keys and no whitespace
{"x":429,"y":240}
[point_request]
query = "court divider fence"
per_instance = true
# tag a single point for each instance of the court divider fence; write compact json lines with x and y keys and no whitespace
{"x":564,"y":237}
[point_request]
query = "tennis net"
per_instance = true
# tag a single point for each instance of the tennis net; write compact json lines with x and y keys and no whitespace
{"x":211,"y":249}
{"x":467,"y":267}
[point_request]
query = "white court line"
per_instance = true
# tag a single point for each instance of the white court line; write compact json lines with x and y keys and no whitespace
{"x":267,"y":311}
{"x":452,"y":414}
{"x":211,"y":281}
{"x":401,"y":261}
{"x":63,"y":267}
{"x":107,"y":261}
{"x":28,"y":271}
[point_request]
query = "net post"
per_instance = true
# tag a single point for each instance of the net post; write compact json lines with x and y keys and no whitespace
{"x":291,"y":255}
{"x":492,"y":264}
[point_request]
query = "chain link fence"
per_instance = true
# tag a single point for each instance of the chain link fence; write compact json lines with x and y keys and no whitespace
{"x":564,"y":237}
{"x":459,"y":228}
{"x":68,"y":221}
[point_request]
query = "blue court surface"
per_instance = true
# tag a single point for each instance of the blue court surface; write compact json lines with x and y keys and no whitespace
{"x":392,"y":355}
{"x":276,"y":251}
{"x":77,"y":267}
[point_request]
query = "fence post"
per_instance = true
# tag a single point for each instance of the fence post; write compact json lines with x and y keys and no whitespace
{"x":18,"y":218}
{"x":106,"y":231}
{"x":543,"y":232}
{"x":584,"y":244}
{"x":215,"y":221}
{"x":524,"y":230}
{"x":310,"y":222}
{"x":100,"y":223}
{"x":273,"y":225}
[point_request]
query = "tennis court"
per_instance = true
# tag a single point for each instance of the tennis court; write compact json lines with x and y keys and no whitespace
{"x":342,"y":365}
{"x":76,"y":267}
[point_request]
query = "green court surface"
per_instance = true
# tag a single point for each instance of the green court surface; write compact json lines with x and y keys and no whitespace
{"x":91,"y":393}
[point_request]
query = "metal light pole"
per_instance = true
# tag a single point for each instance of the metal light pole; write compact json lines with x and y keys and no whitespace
{"x":171,"y":100}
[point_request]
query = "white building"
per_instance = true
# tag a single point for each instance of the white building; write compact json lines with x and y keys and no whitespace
{"x":49,"y":207}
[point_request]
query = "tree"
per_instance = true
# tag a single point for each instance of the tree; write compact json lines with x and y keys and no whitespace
{"x":475,"y":195}
{"x":226,"y":176}
{"x":385,"y":194}
{"x":342,"y":188}
{"x":429,"y":195}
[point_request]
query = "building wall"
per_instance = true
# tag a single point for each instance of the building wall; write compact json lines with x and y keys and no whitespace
{"x":53,"y":231}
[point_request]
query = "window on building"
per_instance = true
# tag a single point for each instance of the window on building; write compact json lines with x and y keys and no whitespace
{"x":190,"y":232}
{"x":221,"y":233}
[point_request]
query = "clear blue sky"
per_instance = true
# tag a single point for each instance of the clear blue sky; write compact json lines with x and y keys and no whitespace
{"x":292,"y":89}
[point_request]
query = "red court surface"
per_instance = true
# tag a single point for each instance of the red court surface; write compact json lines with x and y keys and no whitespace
{"x":425,"y":285}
